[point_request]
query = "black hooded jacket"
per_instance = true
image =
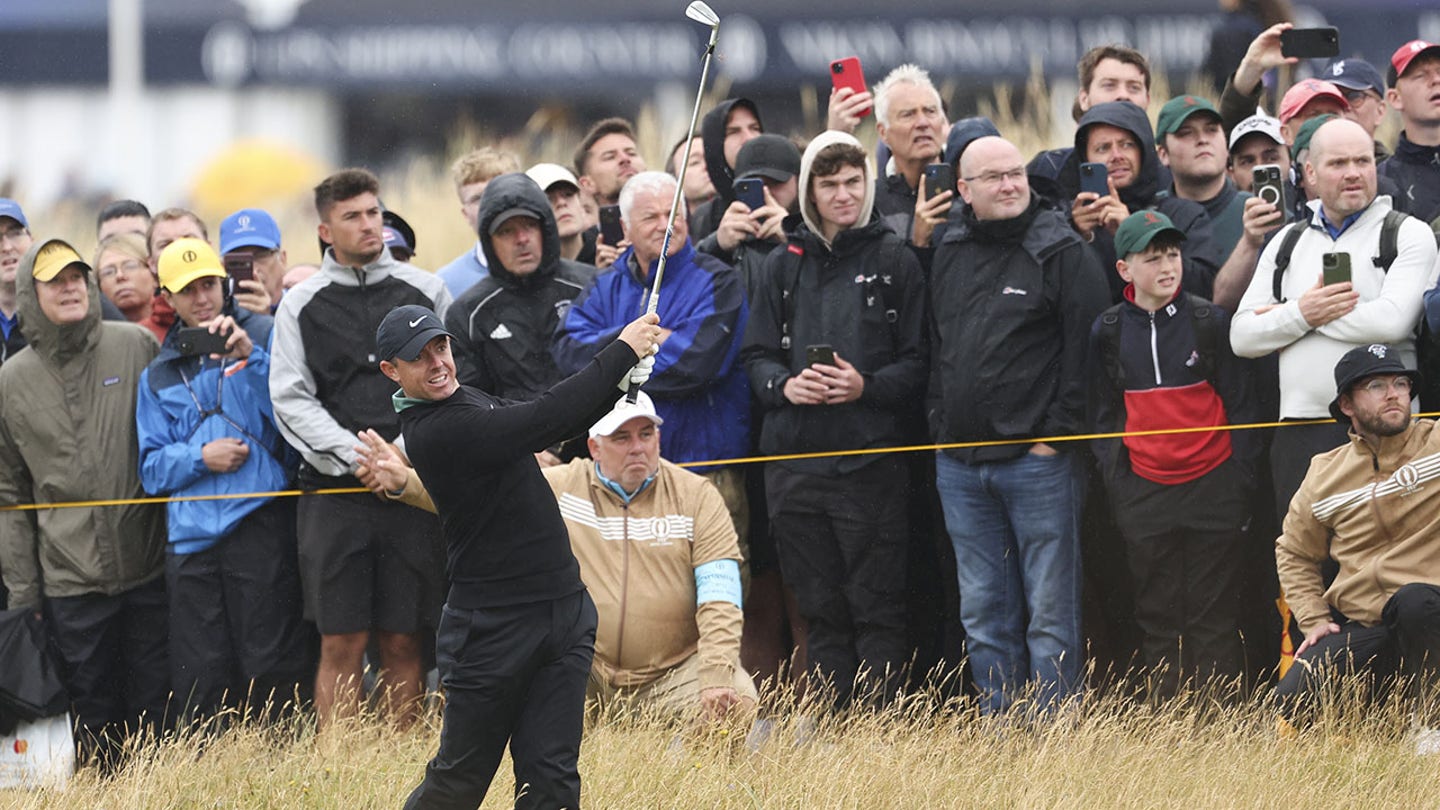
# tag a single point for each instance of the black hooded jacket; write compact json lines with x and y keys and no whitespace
{"x":1011,"y":304}
{"x":1148,"y":190}
{"x":705,"y":219}
{"x":503,"y":325}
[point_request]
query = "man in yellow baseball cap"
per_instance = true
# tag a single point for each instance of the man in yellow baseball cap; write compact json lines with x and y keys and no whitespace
{"x":96,"y":572}
{"x":205,"y":429}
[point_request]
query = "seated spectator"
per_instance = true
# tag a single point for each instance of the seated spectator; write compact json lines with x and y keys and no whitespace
{"x":1161,"y":360}
{"x":206,"y":428}
{"x":1118,"y":134}
{"x":669,"y":601}
{"x":1366,"y":508}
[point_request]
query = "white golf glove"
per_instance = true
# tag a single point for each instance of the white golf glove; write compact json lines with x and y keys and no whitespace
{"x":639,"y":373}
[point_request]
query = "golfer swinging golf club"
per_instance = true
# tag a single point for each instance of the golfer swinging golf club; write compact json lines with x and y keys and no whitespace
{"x":517,"y":634}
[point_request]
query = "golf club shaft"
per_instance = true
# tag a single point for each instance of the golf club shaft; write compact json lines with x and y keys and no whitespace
{"x":653,"y":305}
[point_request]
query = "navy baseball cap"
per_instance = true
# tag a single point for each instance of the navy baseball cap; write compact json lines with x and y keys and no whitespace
{"x":406,"y":330}
{"x":1366,"y":361}
{"x":10,"y":208}
{"x":1354,"y":74}
{"x":249,"y":227}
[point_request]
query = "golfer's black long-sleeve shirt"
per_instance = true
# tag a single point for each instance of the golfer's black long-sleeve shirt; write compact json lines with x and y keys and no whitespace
{"x":506,"y":542}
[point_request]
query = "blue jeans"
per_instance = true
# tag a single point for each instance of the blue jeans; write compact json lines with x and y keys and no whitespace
{"x":1015,"y":526}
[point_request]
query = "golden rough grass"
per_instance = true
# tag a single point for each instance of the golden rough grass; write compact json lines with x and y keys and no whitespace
{"x":1105,"y":752}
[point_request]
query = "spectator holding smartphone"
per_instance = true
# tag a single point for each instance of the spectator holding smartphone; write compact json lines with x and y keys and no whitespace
{"x":206,"y":427}
{"x":845,"y":281}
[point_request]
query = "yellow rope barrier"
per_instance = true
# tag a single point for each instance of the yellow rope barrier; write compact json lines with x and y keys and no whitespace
{"x":292,"y":493}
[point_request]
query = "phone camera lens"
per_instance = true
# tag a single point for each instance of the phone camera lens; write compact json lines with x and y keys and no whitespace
{"x":837,"y":68}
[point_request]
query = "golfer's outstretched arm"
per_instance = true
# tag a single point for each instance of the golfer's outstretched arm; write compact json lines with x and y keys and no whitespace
{"x":494,"y":435}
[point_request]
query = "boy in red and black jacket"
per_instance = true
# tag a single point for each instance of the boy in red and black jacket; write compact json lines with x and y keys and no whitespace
{"x":1161,"y":359}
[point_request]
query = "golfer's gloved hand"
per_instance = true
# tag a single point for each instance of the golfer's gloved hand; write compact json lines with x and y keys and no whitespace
{"x":639,"y":373}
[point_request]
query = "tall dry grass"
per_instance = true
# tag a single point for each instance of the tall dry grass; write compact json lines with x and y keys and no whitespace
{"x":1103,"y":752}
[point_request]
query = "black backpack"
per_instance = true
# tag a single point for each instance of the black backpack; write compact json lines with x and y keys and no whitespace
{"x":1389,"y":247}
{"x":1202,"y":320}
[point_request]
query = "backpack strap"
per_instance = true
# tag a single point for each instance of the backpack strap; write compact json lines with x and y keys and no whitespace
{"x":1207,"y":334}
{"x":1110,"y":345}
{"x":1390,"y":239}
{"x":789,"y":276}
{"x":1282,"y":256}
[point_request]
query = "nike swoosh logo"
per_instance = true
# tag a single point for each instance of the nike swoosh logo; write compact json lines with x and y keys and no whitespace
{"x":416,"y":321}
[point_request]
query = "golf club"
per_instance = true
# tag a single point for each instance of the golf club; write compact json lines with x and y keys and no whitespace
{"x":703,"y":14}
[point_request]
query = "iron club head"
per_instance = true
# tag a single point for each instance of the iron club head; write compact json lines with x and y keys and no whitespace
{"x":702,"y":13}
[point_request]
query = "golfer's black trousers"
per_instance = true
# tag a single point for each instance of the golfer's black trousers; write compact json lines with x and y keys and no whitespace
{"x":511,"y":674}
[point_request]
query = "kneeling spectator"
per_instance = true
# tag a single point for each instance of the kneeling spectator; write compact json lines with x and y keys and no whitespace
{"x":658,"y":552}
{"x":1159,"y":360}
{"x":1367,"y":508}
{"x":206,"y":428}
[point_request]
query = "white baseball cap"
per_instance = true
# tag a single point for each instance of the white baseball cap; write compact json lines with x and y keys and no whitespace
{"x":1263,"y":124}
{"x":623,"y":412}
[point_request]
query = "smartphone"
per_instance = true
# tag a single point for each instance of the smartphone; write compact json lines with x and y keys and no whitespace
{"x":1095,"y":177}
{"x":240,"y":266}
{"x":751,"y":191}
{"x":846,"y":73}
{"x":1270,"y":185}
{"x":1335,"y":267}
{"x":822,"y":353}
{"x":939,"y":177}
{"x":193,"y":340}
{"x":610,"y":226}
{"x":1310,"y":43}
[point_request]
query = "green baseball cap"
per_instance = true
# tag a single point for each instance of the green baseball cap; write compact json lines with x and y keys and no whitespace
{"x":1138,"y":229}
{"x":1177,"y":109}
{"x":1307,"y":131}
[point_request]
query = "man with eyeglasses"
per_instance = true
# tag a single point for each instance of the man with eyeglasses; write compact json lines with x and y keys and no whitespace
{"x":1013,"y":292}
{"x":206,"y":428}
{"x":1367,"y":509}
{"x":1364,"y":90}
{"x":1313,"y":323}
{"x":14,"y":241}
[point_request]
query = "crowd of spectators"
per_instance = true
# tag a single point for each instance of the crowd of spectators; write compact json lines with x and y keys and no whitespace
{"x":846,"y":309}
